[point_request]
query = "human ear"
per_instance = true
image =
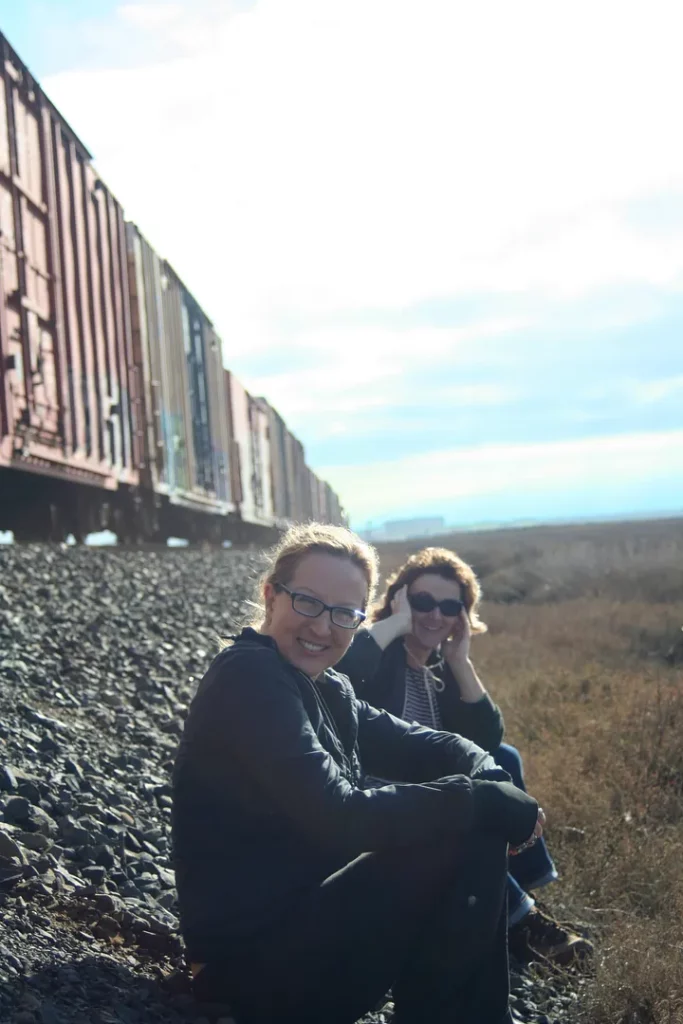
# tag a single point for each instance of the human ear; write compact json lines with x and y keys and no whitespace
{"x":268,"y":599}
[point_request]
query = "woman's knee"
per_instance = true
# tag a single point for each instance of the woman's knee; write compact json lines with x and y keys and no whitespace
{"x":481,"y":882}
{"x":509,"y":759}
{"x":428,"y":870}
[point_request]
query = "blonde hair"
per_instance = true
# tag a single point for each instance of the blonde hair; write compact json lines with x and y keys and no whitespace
{"x":437,"y":562}
{"x":306,"y":539}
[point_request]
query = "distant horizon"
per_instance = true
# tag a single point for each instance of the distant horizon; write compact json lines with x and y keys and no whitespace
{"x":485,"y":526}
{"x":449,"y":528}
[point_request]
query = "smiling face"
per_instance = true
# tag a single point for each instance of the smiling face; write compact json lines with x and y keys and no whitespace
{"x":313,"y":645}
{"x":431,"y":628}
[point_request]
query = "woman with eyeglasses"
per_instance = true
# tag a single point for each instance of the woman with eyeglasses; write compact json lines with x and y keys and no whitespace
{"x":304,"y":895}
{"x":414,"y":660}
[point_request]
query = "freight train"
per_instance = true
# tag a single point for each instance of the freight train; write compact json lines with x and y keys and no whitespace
{"x":116,"y":411}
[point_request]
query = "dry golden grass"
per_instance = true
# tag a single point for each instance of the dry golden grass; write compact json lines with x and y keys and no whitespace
{"x":585,"y":656}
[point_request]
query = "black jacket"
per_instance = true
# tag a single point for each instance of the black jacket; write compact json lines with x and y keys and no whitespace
{"x":265,"y":796}
{"x":379,"y":677}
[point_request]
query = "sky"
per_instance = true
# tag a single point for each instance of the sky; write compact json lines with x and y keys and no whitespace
{"x":444,"y":239}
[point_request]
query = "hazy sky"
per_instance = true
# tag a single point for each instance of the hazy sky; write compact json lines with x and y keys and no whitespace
{"x":445,"y":239}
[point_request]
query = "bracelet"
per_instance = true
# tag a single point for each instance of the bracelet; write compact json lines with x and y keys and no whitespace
{"x":524,"y":846}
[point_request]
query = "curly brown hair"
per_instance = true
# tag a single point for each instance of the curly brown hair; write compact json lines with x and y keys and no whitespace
{"x":437,"y":562}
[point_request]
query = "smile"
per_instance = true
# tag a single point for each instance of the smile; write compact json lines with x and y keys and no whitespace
{"x":311,"y":647}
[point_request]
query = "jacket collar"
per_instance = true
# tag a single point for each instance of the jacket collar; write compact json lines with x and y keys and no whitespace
{"x":341,"y":721}
{"x":252,"y":636}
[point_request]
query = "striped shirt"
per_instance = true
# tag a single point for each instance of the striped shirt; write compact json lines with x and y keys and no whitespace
{"x":419,"y":707}
{"x":420,"y":704}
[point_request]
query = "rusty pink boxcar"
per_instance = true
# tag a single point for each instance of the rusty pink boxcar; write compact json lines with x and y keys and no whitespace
{"x":68,"y":401}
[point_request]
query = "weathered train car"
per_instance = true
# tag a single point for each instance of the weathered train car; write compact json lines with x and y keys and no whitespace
{"x":307,"y":494}
{"x":294,"y":462}
{"x":320,"y":499}
{"x":189,"y":409}
{"x":261,"y":459}
{"x":298,"y":494}
{"x":220,"y":423}
{"x":185,"y":433}
{"x":329,"y":507}
{"x":145,"y":275}
{"x":314,"y":485}
{"x":334,"y":510}
{"x":250,"y":462}
{"x":68,"y":404}
{"x":277,"y":432}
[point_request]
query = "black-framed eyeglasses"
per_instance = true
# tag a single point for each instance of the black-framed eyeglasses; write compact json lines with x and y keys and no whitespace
{"x":313,"y":608}
{"x":423,"y":602}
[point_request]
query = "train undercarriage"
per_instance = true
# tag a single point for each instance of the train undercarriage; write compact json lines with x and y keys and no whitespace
{"x":38,"y":508}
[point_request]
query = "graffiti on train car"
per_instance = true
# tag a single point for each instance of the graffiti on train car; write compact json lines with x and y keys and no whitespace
{"x":116,"y":411}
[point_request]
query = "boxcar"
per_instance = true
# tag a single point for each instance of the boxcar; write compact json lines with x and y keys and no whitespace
{"x":335,"y":512}
{"x":261,"y":460}
{"x":277,"y":432}
{"x":185,"y":434}
{"x":316,"y":511}
{"x":68,"y":403}
{"x":249,"y":454}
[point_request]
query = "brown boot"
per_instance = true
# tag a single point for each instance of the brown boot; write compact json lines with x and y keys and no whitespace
{"x":540,"y":937}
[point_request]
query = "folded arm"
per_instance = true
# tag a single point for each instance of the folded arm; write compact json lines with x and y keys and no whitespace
{"x":257,"y":711}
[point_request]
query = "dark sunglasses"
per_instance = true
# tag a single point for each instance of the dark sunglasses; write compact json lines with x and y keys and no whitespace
{"x":422,"y":602}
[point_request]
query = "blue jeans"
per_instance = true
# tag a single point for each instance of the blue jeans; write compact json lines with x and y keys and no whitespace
{"x":532,"y":869}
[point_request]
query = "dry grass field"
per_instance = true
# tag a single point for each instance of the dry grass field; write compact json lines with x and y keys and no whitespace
{"x":585,"y":655}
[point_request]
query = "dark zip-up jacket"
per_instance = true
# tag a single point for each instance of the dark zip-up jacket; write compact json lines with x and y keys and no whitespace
{"x":379,"y":677}
{"x":266,"y":797}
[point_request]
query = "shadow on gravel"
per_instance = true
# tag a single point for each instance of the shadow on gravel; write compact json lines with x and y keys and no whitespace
{"x":90,"y":991}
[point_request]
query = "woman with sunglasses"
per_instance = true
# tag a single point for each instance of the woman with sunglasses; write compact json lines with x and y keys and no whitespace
{"x":304,"y":896}
{"x":414,"y":660}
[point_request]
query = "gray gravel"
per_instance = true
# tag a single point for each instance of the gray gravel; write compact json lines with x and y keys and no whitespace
{"x":100,"y":651}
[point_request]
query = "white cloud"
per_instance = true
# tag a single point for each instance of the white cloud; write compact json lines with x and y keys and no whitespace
{"x":640,"y":392}
{"x":326,"y":154}
{"x":474,"y":394}
{"x":151,"y":16}
{"x":438,"y":478}
{"x":344,"y":371}
{"x":656,"y":390}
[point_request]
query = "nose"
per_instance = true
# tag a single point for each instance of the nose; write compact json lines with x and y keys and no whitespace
{"x":322,"y":626}
{"x":434,"y":618}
